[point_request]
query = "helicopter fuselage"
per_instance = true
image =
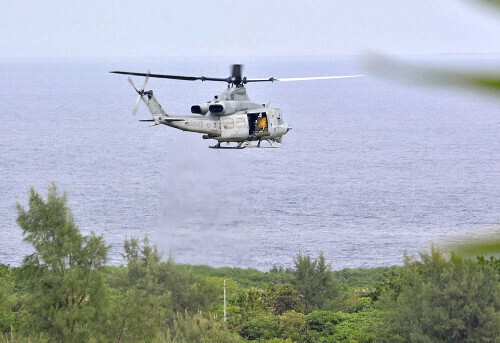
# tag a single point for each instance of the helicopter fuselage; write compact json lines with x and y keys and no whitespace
{"x":237,"y":127}
{"x":229,"y":117}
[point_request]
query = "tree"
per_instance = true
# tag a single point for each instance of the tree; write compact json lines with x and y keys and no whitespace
{"x":445,"y":301}
{"x":187,"y":292}
{"x":148,"y":293}
{"x":7,"y":300}
{"x":134,"y":316}
{"x":314,"y":281}
{"x":64,"y":281}
{"x":293,"y":326}
{"x":281,"y":299}
{"x":199,"y":328}
{"x":140,"y":299}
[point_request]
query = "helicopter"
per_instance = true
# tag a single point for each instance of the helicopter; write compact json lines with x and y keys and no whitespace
{"x":230,"y":117}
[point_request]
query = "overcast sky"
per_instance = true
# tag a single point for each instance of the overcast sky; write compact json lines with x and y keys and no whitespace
{"x":73,"y":28}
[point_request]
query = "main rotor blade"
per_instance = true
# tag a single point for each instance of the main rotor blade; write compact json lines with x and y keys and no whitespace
{"x":173,"y":77}
{"x":272,"y":79}
{"x":317,"y":78}
{"x":236,"y":75}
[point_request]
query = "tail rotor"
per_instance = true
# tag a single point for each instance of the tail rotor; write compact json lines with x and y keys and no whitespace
{"x":140,"y":92}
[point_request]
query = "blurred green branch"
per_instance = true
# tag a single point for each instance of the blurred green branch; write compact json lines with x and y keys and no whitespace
{"x":492,"y":2}
{"x":403,"y":71}
{"x":396,"y":69}
{"x":482,"y":245}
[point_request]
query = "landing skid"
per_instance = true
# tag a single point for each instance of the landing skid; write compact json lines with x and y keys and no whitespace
{"x":271,"y":145}
{"x":245,"y":144}
{"x":218,"y":146}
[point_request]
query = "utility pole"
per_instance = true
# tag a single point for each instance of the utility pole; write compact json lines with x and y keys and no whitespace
{"x":225,"y":318}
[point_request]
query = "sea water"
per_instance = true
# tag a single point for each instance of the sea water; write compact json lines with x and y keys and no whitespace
{"x":371,"y":169}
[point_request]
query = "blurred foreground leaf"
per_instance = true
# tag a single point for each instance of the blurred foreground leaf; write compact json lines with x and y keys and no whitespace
{"x":492,"y":2}
{"x":402,"y":71}
{"x":483,"y":245}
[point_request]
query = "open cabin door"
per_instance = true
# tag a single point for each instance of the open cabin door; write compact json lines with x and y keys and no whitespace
{"x":258,"y":123}
{"x":234,"y":126}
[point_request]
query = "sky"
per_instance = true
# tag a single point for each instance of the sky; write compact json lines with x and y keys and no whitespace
{"x":186,"y":28}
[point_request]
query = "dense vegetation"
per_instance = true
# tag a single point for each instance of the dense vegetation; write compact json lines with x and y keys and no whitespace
{"x":65,"y":292}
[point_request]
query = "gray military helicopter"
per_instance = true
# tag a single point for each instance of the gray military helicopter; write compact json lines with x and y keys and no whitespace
{"x":230,"y":116}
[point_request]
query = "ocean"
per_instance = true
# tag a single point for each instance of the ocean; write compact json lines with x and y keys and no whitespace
{"x":371,"y":169}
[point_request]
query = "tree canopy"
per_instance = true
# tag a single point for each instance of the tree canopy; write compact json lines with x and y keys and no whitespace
{"x":66,"y":293}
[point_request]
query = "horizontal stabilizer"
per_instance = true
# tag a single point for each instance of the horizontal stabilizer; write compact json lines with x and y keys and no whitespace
{"x":164,"y":119}
{"x":174,"y":119}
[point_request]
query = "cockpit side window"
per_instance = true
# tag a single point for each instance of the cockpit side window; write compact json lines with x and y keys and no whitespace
{"x":280,"y":120}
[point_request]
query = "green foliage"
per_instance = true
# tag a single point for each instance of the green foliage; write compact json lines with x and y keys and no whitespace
{"x":445,"y":301}
{"x":326,"y":326}
{"x":492,"y":262}
{"x":7,"y":300}
{"x":359,"y":327}
{"x":293,"y":326}
{"x":261,"y":325}
{"x":244,"y":306}
{"x":66,"y":293}
{"x":324,"y":321}
{"x":351,"y":300}
{"x":143,"y":264}
{"x":314,"y":281}
{"x":245,"y":277}
{"x":149,"y":293}
{"x":187,"y":292}
{"x":200,"y":329}
{"x":138,"y":305}
{"x":277,"y":340}
{"x":250,"y":301}
{"x":134,"y":316}
{"x":362,"y":277}
{"x":251,"y":315}
{"x":281,"y":299}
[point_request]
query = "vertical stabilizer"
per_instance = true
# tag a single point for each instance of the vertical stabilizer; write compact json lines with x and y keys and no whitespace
{"x":155,"y":109}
